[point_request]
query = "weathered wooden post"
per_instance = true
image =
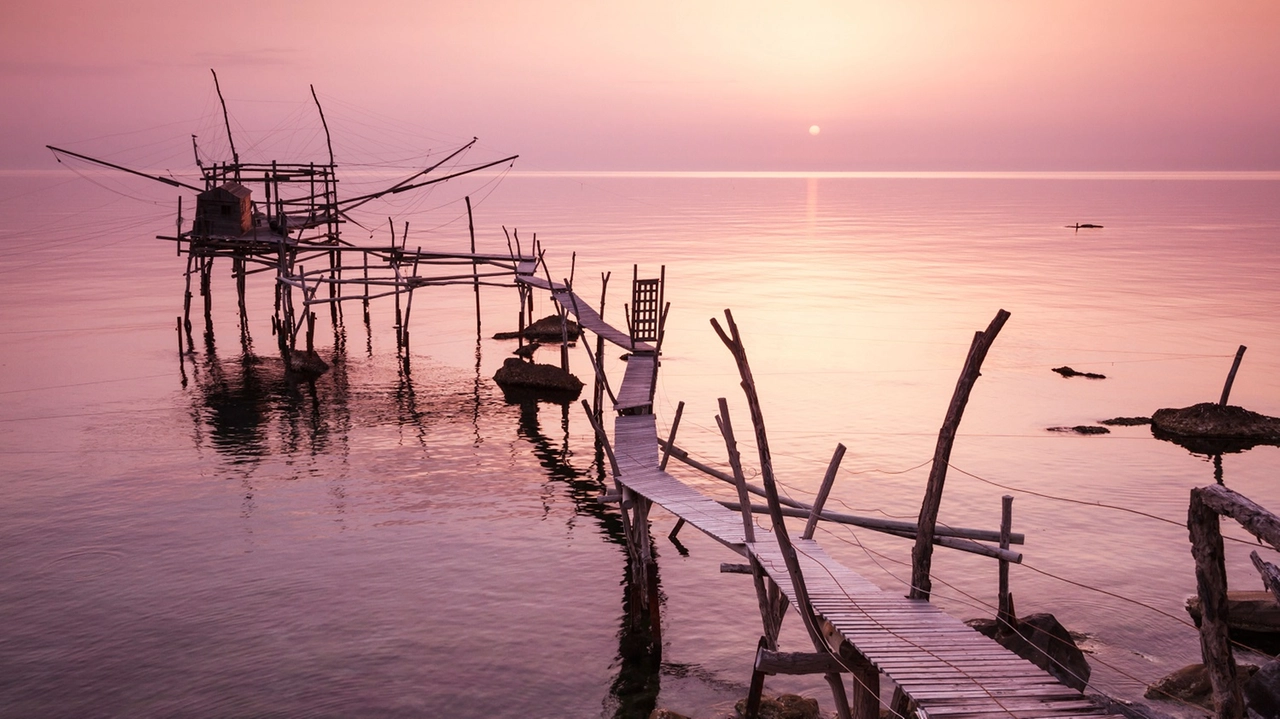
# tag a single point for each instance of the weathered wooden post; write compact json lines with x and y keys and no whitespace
{"x":1211,"y":586}
{"x":922,"y":553}
{"x":733,"y":341}
{"x":1004,"y":612}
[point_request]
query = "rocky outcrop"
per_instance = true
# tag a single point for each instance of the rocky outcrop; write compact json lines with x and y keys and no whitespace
{"x":1042,"y":640}
{"x":1212,"y":428}
{"x":546,"y":329}
{"x":1191,"y":684}
{"x":545,"y":379}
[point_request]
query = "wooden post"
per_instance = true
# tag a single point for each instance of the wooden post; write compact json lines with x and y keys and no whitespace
{"x":733,"y":341}
{"x":1004,"y":612}
{"x":770,"y":617}
{"x":1211,"y":586}
{"x":598,"y":389}
{"x":671,"y":438}
{"x":922,"y":552}
{"x":1231,"y":376}
{"x":475,"y":274}
{"x":816,"y":512}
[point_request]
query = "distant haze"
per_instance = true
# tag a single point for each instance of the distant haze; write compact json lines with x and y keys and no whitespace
{"x":711,"y":85}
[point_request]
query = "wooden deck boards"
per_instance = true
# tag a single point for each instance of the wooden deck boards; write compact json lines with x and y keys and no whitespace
{"x":949,"y":669}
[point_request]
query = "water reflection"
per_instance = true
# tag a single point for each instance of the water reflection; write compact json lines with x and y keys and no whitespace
{"x":250,"y":410}
{"x":633,"y":694}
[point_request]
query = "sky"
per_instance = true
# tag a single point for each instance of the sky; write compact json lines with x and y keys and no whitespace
{"x":666,"y":85}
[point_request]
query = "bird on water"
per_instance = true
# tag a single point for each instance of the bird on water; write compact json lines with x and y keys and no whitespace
{"x":526,"y":352}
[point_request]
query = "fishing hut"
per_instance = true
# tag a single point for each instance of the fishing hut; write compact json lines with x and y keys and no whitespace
{"x":286,"y":219}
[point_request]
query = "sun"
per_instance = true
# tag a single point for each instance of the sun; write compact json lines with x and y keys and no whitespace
{"x":814,"y":129}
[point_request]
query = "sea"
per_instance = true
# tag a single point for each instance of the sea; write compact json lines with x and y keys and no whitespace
{"x":193,"y":533}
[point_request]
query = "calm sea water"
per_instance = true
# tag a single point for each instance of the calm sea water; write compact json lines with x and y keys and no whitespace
{"x":209,"y":539}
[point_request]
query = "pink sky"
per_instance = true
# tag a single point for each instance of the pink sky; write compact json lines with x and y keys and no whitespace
{"x":732,"y":85}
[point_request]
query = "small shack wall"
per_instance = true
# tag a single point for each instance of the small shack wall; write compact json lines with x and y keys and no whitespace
{"x":224,"y":211}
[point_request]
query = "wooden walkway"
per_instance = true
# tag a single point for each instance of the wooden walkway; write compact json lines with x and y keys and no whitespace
{"x":946,"y":667}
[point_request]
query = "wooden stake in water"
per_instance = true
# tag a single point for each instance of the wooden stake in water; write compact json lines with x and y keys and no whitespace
{"x":922,"y":553}
{"x":1231,"y":376}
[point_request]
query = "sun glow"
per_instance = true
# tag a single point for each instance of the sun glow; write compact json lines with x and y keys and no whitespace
{"x":814,"y":129}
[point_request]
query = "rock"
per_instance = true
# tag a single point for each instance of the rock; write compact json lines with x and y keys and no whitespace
{"x":1081,"y":429}
{"x":1068,"y":372}
{"x":785,"y":706}
{"x":1262,"y":690}
{"x":546,"y":329}
{"x":666,"y":714}
{"x":307,"y":363}
{"x":549,"y":379}
{"x":1125,"y":421}
{"x":1211,"y":428}
{"x":1253,"y":618}
{"x":1043,"y":641}
{"x":1191,"y":684}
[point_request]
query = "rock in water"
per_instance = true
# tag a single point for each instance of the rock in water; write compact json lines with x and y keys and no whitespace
{"x":1211,"y":428}
{"x":785,"y":706}
{"x":516,"y":373}
{"x":546,"y":329}
{"x":307,"y":363}
{"x":1262,"y":690}
{"x":1068,"y":372}
{"x":1191,"y":684}
{"x":1043,"y":641}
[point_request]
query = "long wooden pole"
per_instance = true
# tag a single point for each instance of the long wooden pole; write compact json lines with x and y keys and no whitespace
{"x":922,"y":553}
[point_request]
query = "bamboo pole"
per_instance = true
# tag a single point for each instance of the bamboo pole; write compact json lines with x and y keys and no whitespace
{"x":1004,"y":612}
{"x":922,"y":553}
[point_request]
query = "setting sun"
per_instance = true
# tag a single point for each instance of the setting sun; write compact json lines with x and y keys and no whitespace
{"x":814,"y":129}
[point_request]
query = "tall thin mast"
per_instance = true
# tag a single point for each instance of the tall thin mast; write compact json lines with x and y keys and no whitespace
{"x":327,"y":141}
{"x":235,"y":157}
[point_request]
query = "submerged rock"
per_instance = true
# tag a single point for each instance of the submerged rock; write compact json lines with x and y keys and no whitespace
{"x":1125,"y":421}
{"x":1191,"y":684}
{"x":1068,"y":372}
{"x":546,"y":329}
{"x":1081,"y":429}
{"x":306,"y":363}
{"x":1211,"y":428}
{"x":1042,"y":640}
{"x":1253,"y":618}
{"x":547,"y":379}
{"x":784,"y":706}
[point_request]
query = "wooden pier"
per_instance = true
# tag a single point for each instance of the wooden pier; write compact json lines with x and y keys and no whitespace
{"x":940,"y":666}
